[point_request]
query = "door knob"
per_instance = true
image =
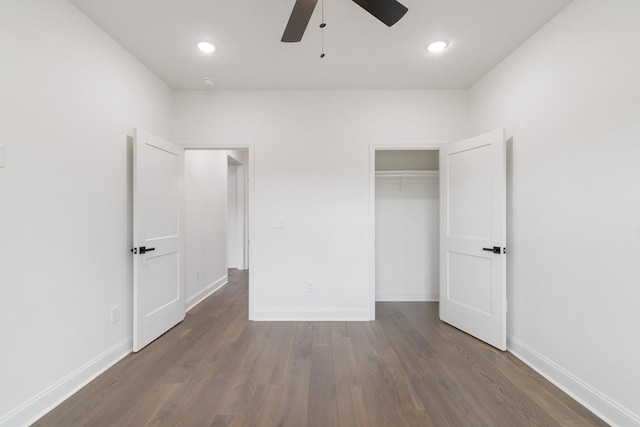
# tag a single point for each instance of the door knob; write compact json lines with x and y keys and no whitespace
{"x":141,"y":250}
{"x":495,"y":250}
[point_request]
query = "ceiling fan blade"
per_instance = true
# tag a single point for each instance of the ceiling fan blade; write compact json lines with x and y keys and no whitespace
{"x":300,"y":16}
{"x":387,"y":11}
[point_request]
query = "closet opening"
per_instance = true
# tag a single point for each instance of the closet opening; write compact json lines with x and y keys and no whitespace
{"x":406,"y":224}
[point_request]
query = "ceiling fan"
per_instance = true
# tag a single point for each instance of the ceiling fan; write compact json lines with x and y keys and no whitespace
{"x":387,"y":11}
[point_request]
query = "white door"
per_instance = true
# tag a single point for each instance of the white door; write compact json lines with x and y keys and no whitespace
{"x":473,"y":235}
{"x":158,"y":288}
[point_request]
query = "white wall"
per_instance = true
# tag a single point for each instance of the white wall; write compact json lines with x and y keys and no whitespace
{"x":206,"y":223}
{"x":420,"y":160}
{"x":407,"y":238}
{"x":232,"y":216}
{"x":312,"y":168}
{"x":570,"y":99}
{"x":238,"y":215}
{"x":70,"y":98}
{"x":239,"y":156}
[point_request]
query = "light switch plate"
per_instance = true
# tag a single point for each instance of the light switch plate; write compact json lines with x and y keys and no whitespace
{"x":1,"y":155}
{"x":278,"y":222}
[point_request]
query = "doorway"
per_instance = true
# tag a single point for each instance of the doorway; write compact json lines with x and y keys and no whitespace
{"x":405,"y":223}
{"x":217,"y":226}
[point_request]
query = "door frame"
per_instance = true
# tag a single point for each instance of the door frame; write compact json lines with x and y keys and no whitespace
{"x":373,"y":147}
{"x":249,"y":218}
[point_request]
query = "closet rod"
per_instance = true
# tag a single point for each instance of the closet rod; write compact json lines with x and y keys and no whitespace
{"x":406,"y":174}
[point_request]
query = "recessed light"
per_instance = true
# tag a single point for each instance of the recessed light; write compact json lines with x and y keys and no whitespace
{"x":206,"y":47}
{"x":438,"y":46}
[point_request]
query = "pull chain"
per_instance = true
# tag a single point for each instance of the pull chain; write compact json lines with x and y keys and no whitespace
{"x":322,"y":25}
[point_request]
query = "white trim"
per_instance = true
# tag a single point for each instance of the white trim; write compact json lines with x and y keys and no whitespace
{"x":407,"y":145}
{"x":601,"y":405}
{"x":206,"y":292}
{"x":42,"y":403}
{"x":407,"y":296}
{"x":310,"y":315}
{"x":372,"y":231}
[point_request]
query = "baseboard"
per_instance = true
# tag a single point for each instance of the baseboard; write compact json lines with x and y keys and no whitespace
{"x":341,"y":314}
{"x":204,"y":293}
{"x":407,"y":296}
{"x":32,"y":410}
{"x":604,"y":407}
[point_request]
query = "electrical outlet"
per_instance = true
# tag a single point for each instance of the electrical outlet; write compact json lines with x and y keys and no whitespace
{"x":115,"y":315}
{"x":309,"y":286}
{"x":197,"y":275}
{"x":278,"y":222}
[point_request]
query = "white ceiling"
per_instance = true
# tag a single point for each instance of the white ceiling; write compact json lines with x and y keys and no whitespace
{"x":361,"y":52}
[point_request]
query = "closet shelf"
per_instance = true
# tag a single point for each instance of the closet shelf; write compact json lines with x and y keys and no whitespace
{"x":403,"y":175}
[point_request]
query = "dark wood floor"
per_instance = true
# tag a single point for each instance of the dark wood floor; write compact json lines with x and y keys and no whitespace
{"x":405,"y":369}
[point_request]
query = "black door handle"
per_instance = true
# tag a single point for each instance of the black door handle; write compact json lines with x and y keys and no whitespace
{"x":495,"y":250}
{"x":141,"y":250}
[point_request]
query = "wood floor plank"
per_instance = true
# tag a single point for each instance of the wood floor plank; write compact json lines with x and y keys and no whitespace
{"x":204,"y":406}
{"x":394,"y":374}
{"x":245,"y":382}
{"x":322,"y":389}
{"x":479,"y":397}
{"x":294,"y":402}
{"x":339,"y":329}
{"x":263,"y":410}
{"x":200,"y":362}
{"x":506,"y":402}
{"x":150,"y":409}
{"x":350,"y":404}
{"x":378,"y":399}
{"x":302,"y":341}
{"x":264,"y":364}
{"x":438,"y":394}
{"x":321,"y":333}
{"x":559,"y":406}
{"x":273,"y":360}
{"x":225,"y":421}
{"x":406,"y":369}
